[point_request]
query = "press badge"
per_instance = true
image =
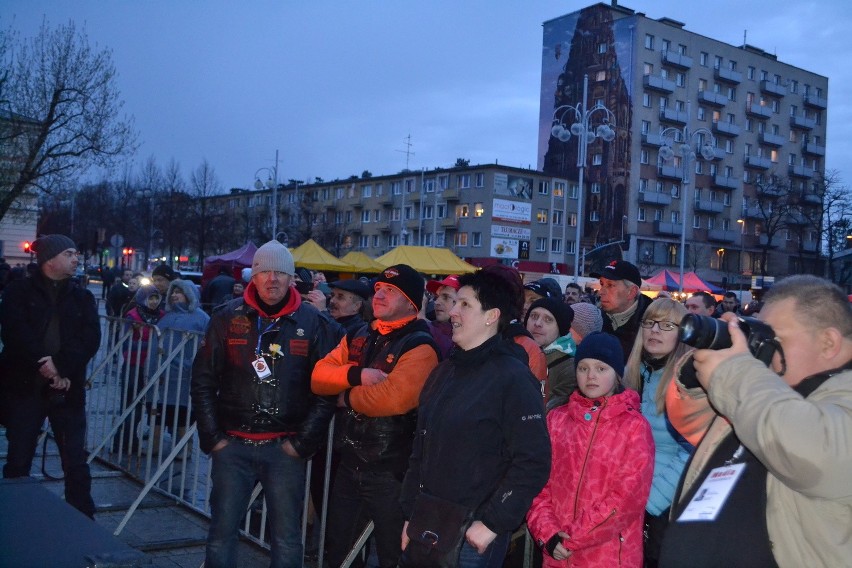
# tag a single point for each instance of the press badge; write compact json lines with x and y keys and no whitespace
{"x":261,"y":368}
{"x":713,"y":493}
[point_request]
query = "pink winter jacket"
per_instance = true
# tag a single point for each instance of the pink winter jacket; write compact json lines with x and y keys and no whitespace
{"x":600,"y":477}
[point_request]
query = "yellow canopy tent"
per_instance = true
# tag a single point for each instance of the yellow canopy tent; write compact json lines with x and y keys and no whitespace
{"x":312,"y":256}
{"x":362,"y":263}
{"x":426,"y":260}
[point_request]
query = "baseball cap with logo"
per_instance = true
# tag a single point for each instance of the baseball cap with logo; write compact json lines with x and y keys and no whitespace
{"x":620,"y":270}
{"x":452,"y":281}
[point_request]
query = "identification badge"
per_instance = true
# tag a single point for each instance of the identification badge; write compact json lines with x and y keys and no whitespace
{"x":712,"y":494}
{"x":261,"y":368}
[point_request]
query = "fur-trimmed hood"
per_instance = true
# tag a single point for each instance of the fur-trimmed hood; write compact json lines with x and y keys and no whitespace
{"x":189,"y":290}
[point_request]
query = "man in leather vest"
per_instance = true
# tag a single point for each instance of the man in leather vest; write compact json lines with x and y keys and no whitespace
{"x":257,"y":417}
{"x":377,"y":379}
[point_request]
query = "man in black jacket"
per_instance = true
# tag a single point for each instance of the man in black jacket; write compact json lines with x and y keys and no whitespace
{"x":621,"y":302}
{"x":251,"y":395}
{"x":50,"y":331}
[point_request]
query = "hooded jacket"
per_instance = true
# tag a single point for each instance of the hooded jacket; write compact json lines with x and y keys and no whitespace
{"x":603,"y":459}
{"x":227,"y":394}
{"x":142,"y":318}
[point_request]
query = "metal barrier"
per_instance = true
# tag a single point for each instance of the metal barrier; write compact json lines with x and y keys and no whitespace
{"x":139,"y":421}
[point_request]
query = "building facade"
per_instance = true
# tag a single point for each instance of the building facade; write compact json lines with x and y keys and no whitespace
{"x":726,"y":143}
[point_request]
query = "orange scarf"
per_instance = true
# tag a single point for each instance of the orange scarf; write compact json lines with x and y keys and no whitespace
{"x":385,"y":327}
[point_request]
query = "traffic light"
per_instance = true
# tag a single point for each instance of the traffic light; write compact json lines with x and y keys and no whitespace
{"x":27,"y":247}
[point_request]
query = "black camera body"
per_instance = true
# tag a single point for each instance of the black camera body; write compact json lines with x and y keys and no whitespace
{"x":705,"y":332}
{"x":304,"y":287}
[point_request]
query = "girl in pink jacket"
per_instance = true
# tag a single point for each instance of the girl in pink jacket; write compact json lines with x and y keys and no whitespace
{"x":591,"y":511}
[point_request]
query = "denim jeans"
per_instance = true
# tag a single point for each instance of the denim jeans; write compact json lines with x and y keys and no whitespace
{"x":25,"y":415}
{"x":494,"y":555}
{"x":357,"y":498}
{"x":236,"y":468}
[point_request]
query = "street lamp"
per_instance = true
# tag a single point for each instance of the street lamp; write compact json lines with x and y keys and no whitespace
{"x":582,"y":129}
{"x":740,"y":265}
{"x":271,"y":183}
{"x":681,"y":142}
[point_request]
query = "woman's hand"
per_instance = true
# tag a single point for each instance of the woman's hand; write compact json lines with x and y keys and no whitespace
{"x":479,"y":536}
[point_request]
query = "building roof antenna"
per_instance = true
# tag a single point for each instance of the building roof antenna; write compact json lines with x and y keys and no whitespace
{"x":408,"y":152}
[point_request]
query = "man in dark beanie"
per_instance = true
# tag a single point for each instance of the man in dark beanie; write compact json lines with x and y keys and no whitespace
{"x":50,"y":331}
{"x":377,"y":379}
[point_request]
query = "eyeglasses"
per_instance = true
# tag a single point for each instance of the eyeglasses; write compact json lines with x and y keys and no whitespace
{"x":663,"y":325}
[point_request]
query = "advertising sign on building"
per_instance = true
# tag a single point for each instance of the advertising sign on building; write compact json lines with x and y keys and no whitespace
{"x":524,"y":250}
{"x":513,"y":186}
{"x":511,"y":232}
{"x":504,"y":248}
{"x":512,"y":211}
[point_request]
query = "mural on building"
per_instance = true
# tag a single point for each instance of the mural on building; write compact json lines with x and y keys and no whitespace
{"x":590,"y":42}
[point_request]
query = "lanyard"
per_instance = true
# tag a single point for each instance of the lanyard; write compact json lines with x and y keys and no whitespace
{"x":260,"y":334}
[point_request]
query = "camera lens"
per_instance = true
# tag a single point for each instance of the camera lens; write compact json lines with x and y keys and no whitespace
{"x":704,"y":332}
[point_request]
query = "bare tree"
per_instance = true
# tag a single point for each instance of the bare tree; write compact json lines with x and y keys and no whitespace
{"x":832,"y":221}
{"x":62,"y":111}
{"x":203,"y":184}
{"x":771,"y":208}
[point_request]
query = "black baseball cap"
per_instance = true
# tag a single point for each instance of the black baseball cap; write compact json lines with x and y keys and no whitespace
{"x":353,"y":285}
{"x":545,"y":287}
{"x":620,"y":270}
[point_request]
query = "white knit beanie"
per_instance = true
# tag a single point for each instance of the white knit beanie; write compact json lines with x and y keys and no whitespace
{"x":273,"y":256}
{"x":587,"y":318}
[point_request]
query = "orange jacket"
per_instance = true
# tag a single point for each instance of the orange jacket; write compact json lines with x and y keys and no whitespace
{"x":537,"y":361}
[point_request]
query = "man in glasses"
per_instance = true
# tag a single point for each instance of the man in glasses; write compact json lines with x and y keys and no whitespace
{"x":50,"y":332}
{"x":622,"y":304}
{"x":257,"y":417}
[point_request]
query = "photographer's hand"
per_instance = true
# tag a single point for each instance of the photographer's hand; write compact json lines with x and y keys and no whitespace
{"x":706,"y":360}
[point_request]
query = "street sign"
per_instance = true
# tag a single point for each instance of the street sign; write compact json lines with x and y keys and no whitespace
{"x":116,"y":240}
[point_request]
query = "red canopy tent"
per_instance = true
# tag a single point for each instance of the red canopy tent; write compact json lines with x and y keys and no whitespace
{"x":235,"y":261}
{"x":691,"y":282}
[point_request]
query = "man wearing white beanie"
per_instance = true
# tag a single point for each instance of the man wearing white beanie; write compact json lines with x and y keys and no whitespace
{"x":257,"y":417}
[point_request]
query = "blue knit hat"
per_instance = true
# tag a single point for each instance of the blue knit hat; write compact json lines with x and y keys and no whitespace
{"x":603,"y":347}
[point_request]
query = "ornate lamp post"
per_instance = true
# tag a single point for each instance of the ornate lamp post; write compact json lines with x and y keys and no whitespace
{"x":271,"y":183}
{"x":580,"y":118}
{"x":682,"y":142}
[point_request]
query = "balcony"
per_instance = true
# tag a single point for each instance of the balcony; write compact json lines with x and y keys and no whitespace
{"x":652,"y":140}
{"x":771,"y":191}
{"x":663,"y":228}
{"x":655,"y":198}
{"x":802,"y":122}
{"x":796,"y":218}
{"x":384,"y":226}
{"x":708,"y":206}
{"x":449,"y":223}
{"x":413,"y":197}
{"x":726,"y":182}
{"x":677,"y":59}
{"x":657,"y":83}
{"x":358,"y":205}
{"x":810,"y":198}
{"x":711,"y":98}
{"x":672,"y":115}
{"x":772,"y":139}
{"x":773,"y":89}
{"x":801,"y":172}
{"x":758,"y":162}
{"x":755,"y":212}
{"x":764,"y":240}
{"x":758,"y":110}
{"x":719,"y":153}
{"x":670,"y":172}
{"x":450,"y":194}
{"x":728,"y":76}
{"x":814,"y":101}
{"x":723,"y":235}
{"x":726,"y":128}
{"x":809,"y":246}
{"x":813,"y":149}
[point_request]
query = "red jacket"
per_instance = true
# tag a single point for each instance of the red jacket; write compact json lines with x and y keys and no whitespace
{"x":603,"y":461}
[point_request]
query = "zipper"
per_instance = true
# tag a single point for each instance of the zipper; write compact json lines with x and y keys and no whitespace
{"x":586,"y":457}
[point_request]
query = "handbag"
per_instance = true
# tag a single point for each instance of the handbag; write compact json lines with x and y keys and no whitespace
{"x":436,"y":533}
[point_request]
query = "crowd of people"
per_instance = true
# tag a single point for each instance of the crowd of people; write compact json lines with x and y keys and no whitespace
{"x":467,"y":405}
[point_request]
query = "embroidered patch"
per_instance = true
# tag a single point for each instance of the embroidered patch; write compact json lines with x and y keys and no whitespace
{"x":237,"y":341}
{"x":299,"y":347}
{"x":389,"y":359}
{"x":300,"y":332}
{"x":240,"y":325}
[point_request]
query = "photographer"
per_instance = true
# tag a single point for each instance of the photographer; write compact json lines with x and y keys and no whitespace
{"x":771,"y":475}
{"x":50,"y":331}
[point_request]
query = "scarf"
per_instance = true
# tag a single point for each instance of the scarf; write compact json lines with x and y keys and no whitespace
{"x":385,"y":327}
{"x":619,"y":320}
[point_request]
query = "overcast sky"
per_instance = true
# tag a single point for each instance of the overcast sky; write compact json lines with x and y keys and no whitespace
{"x":337,"y":87}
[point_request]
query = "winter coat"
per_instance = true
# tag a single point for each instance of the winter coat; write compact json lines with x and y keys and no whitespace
{"x":561,"y":374}
{"x":227,"y":395}
{"x":803,"y":442}
{"x":626,"y":334}
{"x":481,"y":436}
{"x":181,"y":318}
{"x":603,"y":459}
{"x":141,"y":351}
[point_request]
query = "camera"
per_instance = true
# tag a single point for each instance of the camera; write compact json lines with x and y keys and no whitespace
{"x":704,"y":332}
{"x":304,"y":287}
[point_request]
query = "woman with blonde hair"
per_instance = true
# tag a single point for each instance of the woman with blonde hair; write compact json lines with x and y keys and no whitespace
{"x":649,"y":370}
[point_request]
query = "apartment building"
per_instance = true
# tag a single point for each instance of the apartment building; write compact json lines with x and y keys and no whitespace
{"x":724,"y":142}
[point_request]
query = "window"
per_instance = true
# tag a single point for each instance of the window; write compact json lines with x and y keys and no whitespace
{"x":558,"y":189}
{"x":648,"y":68}
{"x":667,"y":45}
{"x":600,"y":76}
{"x":461,"y":240}
{"x":541,"y":215}
{"x":702,"y":59}
{"x":732,"y":93}
{"x":702,"y":113}
{"x":573,"y":191}
{"x":367,"y":191}
{"x":641,"y":215}
{"x":597,"y":159}
{"x":750,"y":73}
{"x":409,"y":212}
{"x":717,"y":62}
{"x":556,"y":245}
{"x":429,"y":186}
{"x":680,"y":80}
{"x":643,"y":157}
{"x":649,"y":41}
{"x":380,"y":189}
{"x":732,"y":118}
{"x":349,"y":216}
{"x":794,"y":86}
{"x":643,"y":185}
{"x":396,"y":188}
{"x":729,"y":146}
{"x":646,"y":100}
{"x":463,"y":210}
{"x":478,"y":210}
{"x":476,"y":239}
{"x":541,"y":244}
{"x":377,"y":215}
{"x":596,"y":187}
{"x":428,"y":212}
{"x":594,"y":216}
{"x":479,"y":180}
{"x":557,"y":217}
{"x":675,"y":217}
{"x":393,"y":240}
{"x":440,"y":240}
{"x":543,"y":187}
{"x":572,"y":219}
{"x":409,"y":185}
{"x":675,"y":191}
{"x":681,"y":49}
{"x":463,"y":181}
{"x":658,"y":215}
{"x":711,"y":223}
{"x":602,"y":47}
{"x":763,"y":75}
{"x":646,"y":126}
{"x":441,"y":210}
{"x":696,"y":221}
{"x":375,"y":241}
{"x":396,"y":214}
{"x":363,"y":241}
{"x":443,"y":182}
{"x":365,"y":216}
{"x":570,"y":248}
